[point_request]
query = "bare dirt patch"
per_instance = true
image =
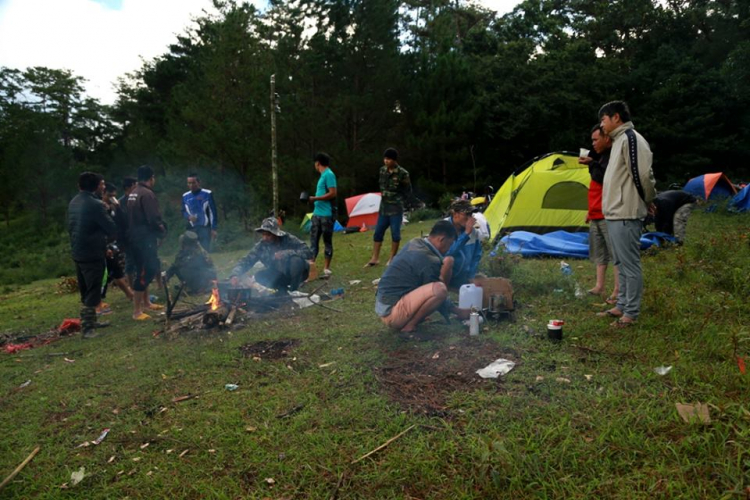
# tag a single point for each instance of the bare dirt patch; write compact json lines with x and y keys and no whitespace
{"x":267,"y":349}
{"x":422,"y":380}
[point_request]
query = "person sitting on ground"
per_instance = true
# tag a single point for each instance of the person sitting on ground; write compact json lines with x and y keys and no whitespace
{"x":192,"y":265}
{"x":467,"y":249}
{"x":416,"y":283}
{"x":670,"y":211}
{"x":600,"y":247}
{"x":286,"y":259}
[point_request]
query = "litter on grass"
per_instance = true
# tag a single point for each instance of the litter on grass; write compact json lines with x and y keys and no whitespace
{"x":231,"y":387}
{"x":691,"y":413}
{"x":303,"y":300}
{"x":663,"y":370}
{"x":77,"y":476}
{"x":101,"y":436}
{"x":497,"y":368}
{"x":25,"y":384}
{"x":355,"y":282}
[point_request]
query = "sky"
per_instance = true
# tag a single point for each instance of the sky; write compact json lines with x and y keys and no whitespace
{"x":101,"y":40}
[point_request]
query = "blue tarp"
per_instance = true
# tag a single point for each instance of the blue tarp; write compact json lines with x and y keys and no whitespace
{"x":564,"y":244}
{"x":741,"y":202}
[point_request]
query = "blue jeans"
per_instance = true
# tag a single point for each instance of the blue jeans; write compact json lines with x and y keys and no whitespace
{"x":385,"y":221}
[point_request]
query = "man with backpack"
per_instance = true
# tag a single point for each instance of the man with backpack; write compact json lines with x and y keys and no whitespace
{"x":324,"y":213}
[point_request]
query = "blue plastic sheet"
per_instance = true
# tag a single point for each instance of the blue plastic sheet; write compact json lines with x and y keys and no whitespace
{"x":563,"y":243}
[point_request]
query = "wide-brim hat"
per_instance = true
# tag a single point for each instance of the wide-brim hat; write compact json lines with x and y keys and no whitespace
{"x":270,"y":225}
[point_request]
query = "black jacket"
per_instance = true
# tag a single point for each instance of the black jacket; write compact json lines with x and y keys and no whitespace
{"x":89,"y":225}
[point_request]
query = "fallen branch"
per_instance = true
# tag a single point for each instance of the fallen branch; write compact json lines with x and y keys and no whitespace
{"x":19,"y":468}
{"x":384,"y":444}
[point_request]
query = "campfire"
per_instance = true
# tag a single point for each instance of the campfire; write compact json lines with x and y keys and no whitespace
{"x":228,"y":306}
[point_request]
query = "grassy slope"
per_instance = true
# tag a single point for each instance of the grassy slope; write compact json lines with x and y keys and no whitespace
{"x":615,"y":435}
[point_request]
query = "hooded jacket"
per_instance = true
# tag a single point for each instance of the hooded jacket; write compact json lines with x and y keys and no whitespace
{"x":620,"y":198}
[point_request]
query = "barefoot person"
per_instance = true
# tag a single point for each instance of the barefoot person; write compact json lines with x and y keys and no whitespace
{"x":395,"y":185}
{"x":416,"y":283}
{"x":600,"y":248}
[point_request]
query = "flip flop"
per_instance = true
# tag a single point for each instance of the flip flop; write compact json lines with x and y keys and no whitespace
{"x":142,"y":317}
{"x":611,"y":301}
{"x":590,"y":292}
{"x":609,"y":314}
{"x":371,"y":264}
{"x":156,"y":307}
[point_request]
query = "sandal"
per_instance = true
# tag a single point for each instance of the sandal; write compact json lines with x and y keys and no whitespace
{"x":371,"y":264}
{"x":142,"y":317}
{"x":609,"y":313}
{"x":611,"y":301}
{"x":156,"y":307}
{"x":623,"y":323}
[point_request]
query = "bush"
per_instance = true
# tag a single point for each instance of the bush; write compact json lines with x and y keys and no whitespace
{"x":425,"y":214}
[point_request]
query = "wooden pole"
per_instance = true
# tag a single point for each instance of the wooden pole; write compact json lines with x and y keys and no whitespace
{"x":274,"y":166}
{"x":19,"y":468}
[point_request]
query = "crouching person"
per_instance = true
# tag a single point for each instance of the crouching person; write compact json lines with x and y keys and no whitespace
{"x":284,"y":256}
{"x":192,"y":265}
{"x":89,"y":226}
{"x":416,"y":282}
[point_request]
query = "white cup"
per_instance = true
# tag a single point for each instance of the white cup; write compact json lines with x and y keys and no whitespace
{"x":583,"y":153}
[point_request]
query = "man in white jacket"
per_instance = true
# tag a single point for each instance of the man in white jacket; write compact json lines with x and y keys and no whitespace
{"x":628,"y":189}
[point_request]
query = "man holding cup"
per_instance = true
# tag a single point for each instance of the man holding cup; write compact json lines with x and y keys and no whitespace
{"x":600,"y":248}
{"x":466,"y":250}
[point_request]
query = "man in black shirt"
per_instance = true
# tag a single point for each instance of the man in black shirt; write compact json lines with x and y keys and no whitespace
{"x":670,"y":211}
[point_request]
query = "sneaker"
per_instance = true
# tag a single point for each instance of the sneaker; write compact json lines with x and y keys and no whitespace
{"x":104,"y":311}
{"x":90,"y":334}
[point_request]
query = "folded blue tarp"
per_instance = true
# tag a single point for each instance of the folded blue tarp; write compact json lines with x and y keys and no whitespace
{"x":564,"y":244}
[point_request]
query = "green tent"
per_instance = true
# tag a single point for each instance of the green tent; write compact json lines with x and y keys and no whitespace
{"x":306,"y":223}
{"x":550,"y":194}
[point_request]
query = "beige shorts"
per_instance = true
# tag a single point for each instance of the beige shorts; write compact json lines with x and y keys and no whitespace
{"x":407,"y":306}
{"x":600,"y":249}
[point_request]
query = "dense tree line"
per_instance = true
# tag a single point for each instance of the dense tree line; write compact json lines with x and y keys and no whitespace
{"x":465,"y":95}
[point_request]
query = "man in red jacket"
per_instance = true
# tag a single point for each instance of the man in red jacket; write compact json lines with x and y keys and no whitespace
{"x":600,"y":248}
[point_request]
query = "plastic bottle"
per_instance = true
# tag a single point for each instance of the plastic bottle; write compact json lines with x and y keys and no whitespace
{"x":565,"y":268}
{"x":474,"y":323}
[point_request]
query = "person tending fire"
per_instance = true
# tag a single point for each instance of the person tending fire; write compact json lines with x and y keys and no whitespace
{"x":285,"y":257}
{"x":192,"y":265}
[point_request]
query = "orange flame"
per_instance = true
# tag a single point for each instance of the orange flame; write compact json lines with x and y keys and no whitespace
{"x":214,"y":301}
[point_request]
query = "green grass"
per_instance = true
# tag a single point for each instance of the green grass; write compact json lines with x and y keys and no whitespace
{"x":614,"y":434}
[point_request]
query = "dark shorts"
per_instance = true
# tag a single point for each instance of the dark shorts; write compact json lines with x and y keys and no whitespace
{"x":386,"y":221}
{"x":146,"y":263}
{"x":116,"y":267}
{"x":321,"y":226}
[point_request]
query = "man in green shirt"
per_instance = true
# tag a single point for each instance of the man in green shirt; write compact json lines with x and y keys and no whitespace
{"x":395,"y":185}
{"x":323,"y":219}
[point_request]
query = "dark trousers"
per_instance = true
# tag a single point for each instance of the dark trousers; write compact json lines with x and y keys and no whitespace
{"x":289,"y":274}
{"x":146,"y":263}
{"x":90,"y":276}
{"x":321,"y":226}
{"x":204,"y":236}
